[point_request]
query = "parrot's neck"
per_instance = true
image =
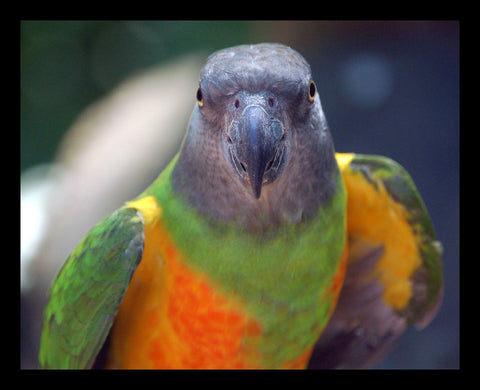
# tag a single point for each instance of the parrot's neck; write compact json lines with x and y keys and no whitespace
{"x":204,"y":179}
{"x":279,"y":274}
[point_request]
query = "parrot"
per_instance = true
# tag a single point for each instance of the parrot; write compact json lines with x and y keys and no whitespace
{"x":257,"y":246}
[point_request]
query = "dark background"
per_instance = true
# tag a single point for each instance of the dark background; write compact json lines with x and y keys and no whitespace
{"x":389,"y":88}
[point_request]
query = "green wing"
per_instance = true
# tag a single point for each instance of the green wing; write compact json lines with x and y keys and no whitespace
{"x":87,"y":292}
{"x":366,"y":322}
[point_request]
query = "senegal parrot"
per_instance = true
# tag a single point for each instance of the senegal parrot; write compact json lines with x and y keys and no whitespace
{"x":258,"y":246}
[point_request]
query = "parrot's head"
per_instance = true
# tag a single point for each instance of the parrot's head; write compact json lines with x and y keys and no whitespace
{"x":257,"y":129}
{"x":255,"y":96}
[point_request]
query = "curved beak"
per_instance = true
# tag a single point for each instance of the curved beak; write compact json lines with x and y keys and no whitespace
{"x":257,"y":146}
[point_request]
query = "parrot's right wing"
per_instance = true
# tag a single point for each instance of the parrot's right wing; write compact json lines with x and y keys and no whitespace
{"x":88,"y":290}
{"x":394,"y":272}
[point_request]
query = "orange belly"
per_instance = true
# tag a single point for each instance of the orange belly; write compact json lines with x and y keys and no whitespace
{"x":172,"y":318}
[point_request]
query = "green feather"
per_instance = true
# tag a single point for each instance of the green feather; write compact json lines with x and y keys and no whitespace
{"x":88,"y":290}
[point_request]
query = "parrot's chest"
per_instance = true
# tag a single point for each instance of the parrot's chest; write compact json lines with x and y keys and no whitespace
{"x":174,"y":317}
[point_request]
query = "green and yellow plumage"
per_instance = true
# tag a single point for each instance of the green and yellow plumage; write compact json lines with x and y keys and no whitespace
{"x":235,"y":257}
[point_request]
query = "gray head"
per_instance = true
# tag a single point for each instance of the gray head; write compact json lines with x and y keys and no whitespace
{"x":258,"y":145}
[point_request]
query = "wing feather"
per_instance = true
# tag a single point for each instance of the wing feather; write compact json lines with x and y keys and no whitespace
{"x":88,"y":290}
{"x":394,"y":273}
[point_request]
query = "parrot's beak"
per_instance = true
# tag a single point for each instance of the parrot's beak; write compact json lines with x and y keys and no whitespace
{"x":257,"y":146}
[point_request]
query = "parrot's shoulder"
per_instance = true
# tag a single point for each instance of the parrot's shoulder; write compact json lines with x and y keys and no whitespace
{"x":148,"y":209}
{"x":394,"y":272}
{"x":87,"y":291}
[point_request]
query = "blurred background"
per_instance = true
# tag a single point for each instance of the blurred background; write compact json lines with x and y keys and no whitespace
{"x":105,"y":105}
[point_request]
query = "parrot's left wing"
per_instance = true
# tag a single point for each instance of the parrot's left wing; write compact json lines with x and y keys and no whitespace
{"x":394,"y":271}
{"x":88,"y":290}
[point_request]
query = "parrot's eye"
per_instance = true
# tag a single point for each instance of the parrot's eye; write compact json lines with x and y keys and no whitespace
{"x":199,"y":97}
{"x":312,"y":90}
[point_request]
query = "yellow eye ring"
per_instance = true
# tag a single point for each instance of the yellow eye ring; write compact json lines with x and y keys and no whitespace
{"x":312,"y":91}
{"x":199,"y":96}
